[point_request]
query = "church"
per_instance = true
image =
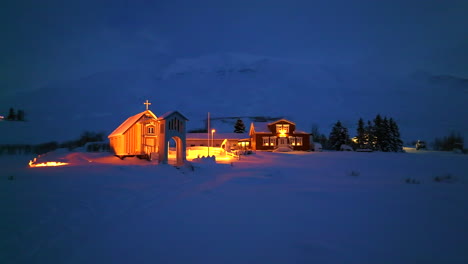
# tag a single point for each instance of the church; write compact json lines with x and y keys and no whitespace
{"x":145,"y":135}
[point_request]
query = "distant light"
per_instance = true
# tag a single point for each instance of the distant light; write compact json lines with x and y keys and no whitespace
{"x":32,"y":163}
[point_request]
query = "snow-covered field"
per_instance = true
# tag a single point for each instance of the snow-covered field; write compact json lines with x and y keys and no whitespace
{"x":328,"y":207}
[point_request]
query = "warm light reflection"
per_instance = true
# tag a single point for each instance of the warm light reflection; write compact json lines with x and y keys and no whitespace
{"x":199,"y":151}
{"x":32,"y":163}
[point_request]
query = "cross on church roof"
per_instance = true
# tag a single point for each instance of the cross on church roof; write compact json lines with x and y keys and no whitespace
{"x":147,"y":104}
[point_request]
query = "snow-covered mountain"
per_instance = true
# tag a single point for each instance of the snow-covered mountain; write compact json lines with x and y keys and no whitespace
{"x":234,"y":84}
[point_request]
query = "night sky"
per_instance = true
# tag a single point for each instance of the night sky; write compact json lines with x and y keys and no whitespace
{"x":47,"y":41}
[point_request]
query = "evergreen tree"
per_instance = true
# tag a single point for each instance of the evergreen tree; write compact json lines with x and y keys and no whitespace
{"x":378,"y":132}
{"x":449,"y":143}
{"x":361,"y":134}
{"x":314,"y":133}
{"x":239,"y":127}
{"x":370,"y":137}
{"x":323,"y":141}
{"x":385,"y":140}
{"x":338,"y":136}
{"x":20,"y":115}
{"x":11,"y":115}
{"x":396,"y":142}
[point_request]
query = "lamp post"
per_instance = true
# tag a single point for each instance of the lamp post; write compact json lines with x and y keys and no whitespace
{"x":208,"y":133}
{"x":212,"y":136}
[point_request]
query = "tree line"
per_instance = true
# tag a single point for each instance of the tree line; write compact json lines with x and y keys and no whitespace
{"x":380,"y":134}
{"x":449,"y":143}
{"x":95,"y":141}
{"x":15,"y":115}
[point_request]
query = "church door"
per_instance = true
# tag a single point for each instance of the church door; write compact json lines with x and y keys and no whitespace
{"x":150,"y":145}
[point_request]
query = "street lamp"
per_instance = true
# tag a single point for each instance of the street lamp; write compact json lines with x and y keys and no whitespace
{"x":212,"y":137}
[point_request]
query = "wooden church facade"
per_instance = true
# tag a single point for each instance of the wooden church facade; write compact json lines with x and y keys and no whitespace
{"x":146,"y":136}
{"x":136,"y":136}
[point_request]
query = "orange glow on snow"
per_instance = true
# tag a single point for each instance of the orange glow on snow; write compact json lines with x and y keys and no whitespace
{"x":199,"y":151}
{"x":46,"y":164}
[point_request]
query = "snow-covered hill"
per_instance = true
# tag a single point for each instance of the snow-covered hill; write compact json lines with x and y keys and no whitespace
{"x":236,"y":84}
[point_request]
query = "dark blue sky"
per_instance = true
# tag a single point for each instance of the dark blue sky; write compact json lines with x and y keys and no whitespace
{"x":48,"y":41}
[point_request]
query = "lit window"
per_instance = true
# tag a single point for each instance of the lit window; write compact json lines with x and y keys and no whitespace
{"x":298,"y":141}
{"x":282,"y":128}
{"x":272,"y":141}
{"x":265,"y":141}
{"x":279,"y":128}
{"x":292,"y":141}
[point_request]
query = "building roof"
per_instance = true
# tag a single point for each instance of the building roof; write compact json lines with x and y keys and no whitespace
{"x":261,"y":127}
{"x":282,"y":120}
{"x":300,"y":132}
{"x":129,"y":123}
{"x":167,"y":114}
{"x":217,"y":136}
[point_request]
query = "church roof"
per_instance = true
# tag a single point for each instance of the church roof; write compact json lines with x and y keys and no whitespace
{"x":129,"y":123}
{"x":167,"y":114}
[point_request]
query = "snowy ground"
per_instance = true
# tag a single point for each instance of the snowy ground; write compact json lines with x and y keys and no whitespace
{"x":328,"y":207}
